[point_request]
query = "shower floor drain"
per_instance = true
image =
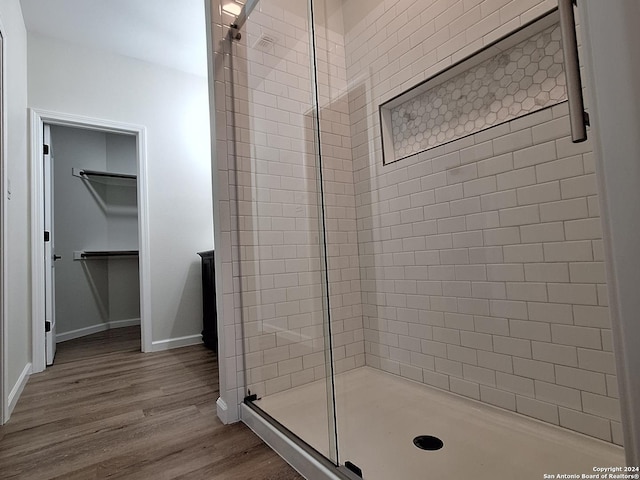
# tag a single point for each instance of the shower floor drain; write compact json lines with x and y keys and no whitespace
{"x":427,"y":442}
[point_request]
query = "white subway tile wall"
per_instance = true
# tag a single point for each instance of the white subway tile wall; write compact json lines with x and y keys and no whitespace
{"x":474,"y":267}
{"x":502,"y":240}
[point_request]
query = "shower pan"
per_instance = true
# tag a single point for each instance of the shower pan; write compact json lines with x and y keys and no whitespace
{"x":417,"y":252}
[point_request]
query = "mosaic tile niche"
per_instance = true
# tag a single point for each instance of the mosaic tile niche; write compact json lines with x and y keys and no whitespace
{"x":518,"y":80}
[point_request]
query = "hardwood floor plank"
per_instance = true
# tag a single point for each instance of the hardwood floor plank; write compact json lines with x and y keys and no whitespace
{"x":105,"y":410}
{"x":255,"y":463}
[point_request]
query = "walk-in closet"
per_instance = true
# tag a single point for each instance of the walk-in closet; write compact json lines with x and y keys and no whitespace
{"x":95,"y":231}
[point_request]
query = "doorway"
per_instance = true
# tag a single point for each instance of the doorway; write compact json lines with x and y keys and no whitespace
{"x":91,"y":216}
{"x":104,"y":202}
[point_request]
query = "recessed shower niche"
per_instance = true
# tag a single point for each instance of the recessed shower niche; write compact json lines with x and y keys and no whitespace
{"x":515,"y":76}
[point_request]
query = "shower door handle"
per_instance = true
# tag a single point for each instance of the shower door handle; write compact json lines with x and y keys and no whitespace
{"x":577,"y":116}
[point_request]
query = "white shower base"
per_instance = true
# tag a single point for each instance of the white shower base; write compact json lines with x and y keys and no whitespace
{"x":379,"y":414}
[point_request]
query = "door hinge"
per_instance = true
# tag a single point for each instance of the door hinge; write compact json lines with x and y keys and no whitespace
{"x":45,"y":149}
{"x":47,"y":327}
{"x":46,"y":236}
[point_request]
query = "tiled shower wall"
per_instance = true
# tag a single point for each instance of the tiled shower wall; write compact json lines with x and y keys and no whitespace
{"x":275,"y":221}
{"x":481,"y":260}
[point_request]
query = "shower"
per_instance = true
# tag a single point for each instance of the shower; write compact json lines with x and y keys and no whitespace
{"x":415,"y":240}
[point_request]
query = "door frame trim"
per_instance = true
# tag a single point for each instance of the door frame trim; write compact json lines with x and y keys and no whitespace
{"x":37,"y":119}
{"x":614,"y":118}
{"x":4,"y":341}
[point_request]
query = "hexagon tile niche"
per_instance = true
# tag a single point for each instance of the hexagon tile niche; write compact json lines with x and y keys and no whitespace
{"x":522,"y":79}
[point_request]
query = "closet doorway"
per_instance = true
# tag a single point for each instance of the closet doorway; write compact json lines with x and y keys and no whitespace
{"x":89,"y":230}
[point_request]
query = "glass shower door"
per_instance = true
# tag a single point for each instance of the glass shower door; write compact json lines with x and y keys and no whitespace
{"x":459,"y":259}
{"x":281,"y":241}
{"x":403,"y":225}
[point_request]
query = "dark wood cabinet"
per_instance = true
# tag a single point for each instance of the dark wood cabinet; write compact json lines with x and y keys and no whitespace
{"x":209,"y":317}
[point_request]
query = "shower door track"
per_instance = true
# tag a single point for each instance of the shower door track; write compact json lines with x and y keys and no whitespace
{"x":295,"y":451}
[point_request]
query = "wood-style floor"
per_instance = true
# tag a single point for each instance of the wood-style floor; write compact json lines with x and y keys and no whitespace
{"x":105,"y":410}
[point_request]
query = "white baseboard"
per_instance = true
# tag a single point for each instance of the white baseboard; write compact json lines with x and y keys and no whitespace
{"x":101,"y":327}
{"x":178,"y":342}
{"x":222,"y":410}
{"x":16,"y":391}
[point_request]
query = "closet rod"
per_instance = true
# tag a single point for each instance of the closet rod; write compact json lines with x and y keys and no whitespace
{"x":109,"y":253}
{"x":96,"y":173}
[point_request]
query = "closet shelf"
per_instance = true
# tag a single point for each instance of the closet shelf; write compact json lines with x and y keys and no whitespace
{"x":101,"y":254}
{"x":107,"y":178}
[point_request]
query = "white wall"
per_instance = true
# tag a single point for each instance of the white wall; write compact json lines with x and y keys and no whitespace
{"x":173,"y":106}
{"x":18,"y":321}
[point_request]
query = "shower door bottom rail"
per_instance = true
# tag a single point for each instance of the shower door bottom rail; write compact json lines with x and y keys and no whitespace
{"x":305,"y":459}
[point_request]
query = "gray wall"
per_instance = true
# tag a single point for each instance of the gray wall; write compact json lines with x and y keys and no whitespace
{"x":122,"y":231}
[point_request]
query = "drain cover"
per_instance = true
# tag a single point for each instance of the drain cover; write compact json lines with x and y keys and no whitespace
{"x":427,"y":442}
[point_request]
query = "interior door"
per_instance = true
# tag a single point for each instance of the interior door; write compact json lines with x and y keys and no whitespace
{"x":49,"y":250}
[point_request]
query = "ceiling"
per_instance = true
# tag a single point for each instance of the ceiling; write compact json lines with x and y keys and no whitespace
{"x":166,"y":32}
